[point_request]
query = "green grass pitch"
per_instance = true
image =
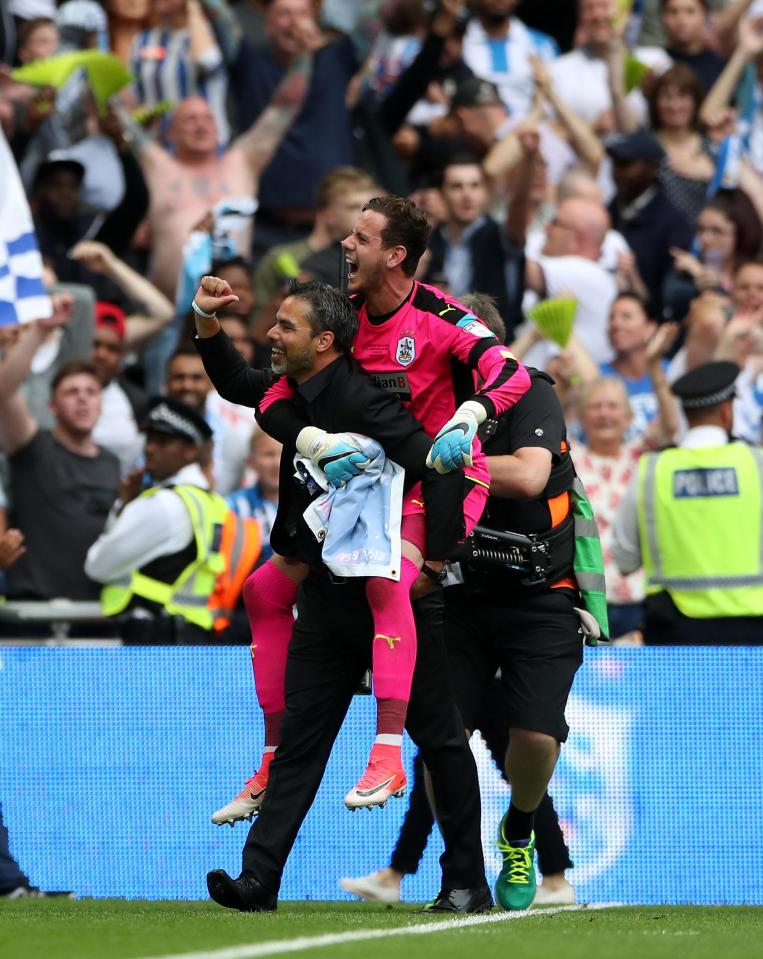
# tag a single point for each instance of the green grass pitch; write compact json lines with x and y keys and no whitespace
{"x":117,"y":929}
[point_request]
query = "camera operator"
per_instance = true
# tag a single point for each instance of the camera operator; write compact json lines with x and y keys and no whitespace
{"x":522,"y":615}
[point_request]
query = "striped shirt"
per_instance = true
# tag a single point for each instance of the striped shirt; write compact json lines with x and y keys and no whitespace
{"x":506,"y":61}
{"x":249,"y":503}
{"x":164,"y":70}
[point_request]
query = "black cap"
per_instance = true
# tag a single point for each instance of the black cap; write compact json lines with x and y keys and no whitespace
{"x":474,"y":92}
{"x":640,"y":145}
{"x":707,"y":385}
{"x":169,"y":416}
{"x":57,"y":160}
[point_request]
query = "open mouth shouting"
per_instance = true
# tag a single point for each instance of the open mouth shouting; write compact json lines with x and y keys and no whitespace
{"x":352,"y":266}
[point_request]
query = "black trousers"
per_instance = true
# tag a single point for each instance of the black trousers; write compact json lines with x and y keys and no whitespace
{"x":10,"y":874}
{"x":163,"y":630}
{"x":665,"y":625}
{"x":328,"y":654}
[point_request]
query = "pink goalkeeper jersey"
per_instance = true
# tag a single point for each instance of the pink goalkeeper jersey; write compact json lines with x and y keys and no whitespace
{"x":427,"y":352}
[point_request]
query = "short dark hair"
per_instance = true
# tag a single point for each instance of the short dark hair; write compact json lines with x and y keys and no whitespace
{"x":73,"y":368}
{"x":459,"y":159}
{"x":636,"y":297}
{"x":407,"y":226}
{"x":27,"y":27}
{"x":184,"y":348}
{"x":235,"y":261}
{"x":330,"y":311}
{"x":751,"y":261}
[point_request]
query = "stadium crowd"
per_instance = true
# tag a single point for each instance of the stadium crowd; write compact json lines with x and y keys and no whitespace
{"x":613,"y":160}
{"x":591,"y":174}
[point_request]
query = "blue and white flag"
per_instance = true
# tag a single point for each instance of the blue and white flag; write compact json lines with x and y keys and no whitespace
{"x":22,"y":294}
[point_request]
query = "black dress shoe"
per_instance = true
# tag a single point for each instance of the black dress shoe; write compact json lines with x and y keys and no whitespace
{"x":245,"y":894}
{"x":461,"y":900}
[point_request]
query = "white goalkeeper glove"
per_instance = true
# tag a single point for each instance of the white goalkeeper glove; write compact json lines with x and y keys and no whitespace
{"x":337,"y":454}
{"x":452,"y":447}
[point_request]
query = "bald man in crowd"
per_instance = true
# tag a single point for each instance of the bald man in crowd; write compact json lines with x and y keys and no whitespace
{"x":185,"y":185}
{"x":568,"y":265}
{"x":616,"y":255}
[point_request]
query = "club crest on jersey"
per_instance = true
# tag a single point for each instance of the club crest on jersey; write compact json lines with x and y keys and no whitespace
{"x":406,"y":350}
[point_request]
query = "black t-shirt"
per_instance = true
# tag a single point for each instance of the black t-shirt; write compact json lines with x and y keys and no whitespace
{"x":535,"y":421}
{"x":706,"y":65}
{"x":60,"y":502}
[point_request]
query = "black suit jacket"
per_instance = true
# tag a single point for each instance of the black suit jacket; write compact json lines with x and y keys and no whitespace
{"x":497,"y":269}
{"x":655,"y":228}
{"x":341,"y":398}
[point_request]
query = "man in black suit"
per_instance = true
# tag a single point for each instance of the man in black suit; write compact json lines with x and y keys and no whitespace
{"x":643,"y":213}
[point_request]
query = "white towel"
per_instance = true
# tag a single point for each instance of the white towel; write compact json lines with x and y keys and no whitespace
{"x":359,"y":523}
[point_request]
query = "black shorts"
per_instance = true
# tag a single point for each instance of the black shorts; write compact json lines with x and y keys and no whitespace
{"x":535,"y":642}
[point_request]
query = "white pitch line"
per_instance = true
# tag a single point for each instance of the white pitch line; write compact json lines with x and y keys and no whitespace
{"x":278,"y":946}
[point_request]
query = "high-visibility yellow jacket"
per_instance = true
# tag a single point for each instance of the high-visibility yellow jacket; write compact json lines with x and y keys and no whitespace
{"x":700,"y":515}
{"x":206,"y":589}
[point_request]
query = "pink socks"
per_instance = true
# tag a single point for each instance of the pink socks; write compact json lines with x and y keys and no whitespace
{"x":269,"y":596}
{"x":394,"y":649}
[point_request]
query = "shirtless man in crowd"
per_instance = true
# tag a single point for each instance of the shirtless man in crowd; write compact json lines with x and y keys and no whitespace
{"x":184,"y":187}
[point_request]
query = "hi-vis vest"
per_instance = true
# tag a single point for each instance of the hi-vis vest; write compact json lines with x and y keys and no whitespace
{"x":207,"y":589}
{"x":700,"y":513}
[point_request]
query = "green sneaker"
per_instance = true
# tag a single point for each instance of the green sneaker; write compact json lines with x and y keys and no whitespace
{"x":515,"y":885}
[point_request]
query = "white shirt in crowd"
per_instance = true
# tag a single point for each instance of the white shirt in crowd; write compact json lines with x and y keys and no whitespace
{"x":147,"y":527}
{"x":748,"y":404}
{"x":581,"y":80}
{"x":104,"y":185}
{"x":507,"y":62}
{"x":31,"y":9}
{"x":594,"y":288}
{"x":116,"y":429}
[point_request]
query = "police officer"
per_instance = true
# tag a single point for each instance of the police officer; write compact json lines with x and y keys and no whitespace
{"x":163,"y":549}
{"x":692,"y":517}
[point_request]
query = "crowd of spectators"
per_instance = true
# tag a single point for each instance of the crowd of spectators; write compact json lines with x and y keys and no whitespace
{"x":608,"y":151}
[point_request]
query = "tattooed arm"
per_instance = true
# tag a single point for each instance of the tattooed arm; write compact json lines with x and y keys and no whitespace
{"x":205,"y":53}
{"x":226,"y":27}
{"x":260,"y":142}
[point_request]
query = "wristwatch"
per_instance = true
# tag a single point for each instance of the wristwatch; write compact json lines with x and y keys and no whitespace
{"x":436,"y":577}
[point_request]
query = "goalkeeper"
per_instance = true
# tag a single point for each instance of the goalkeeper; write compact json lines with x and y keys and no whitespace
{"x":424,"y":348}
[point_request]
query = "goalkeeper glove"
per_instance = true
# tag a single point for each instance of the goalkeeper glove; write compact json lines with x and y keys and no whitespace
{"x":452,"y":447}
{"x":337,"y":454}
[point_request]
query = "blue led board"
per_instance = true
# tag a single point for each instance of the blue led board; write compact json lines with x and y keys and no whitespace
{"x":112,"y":760}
